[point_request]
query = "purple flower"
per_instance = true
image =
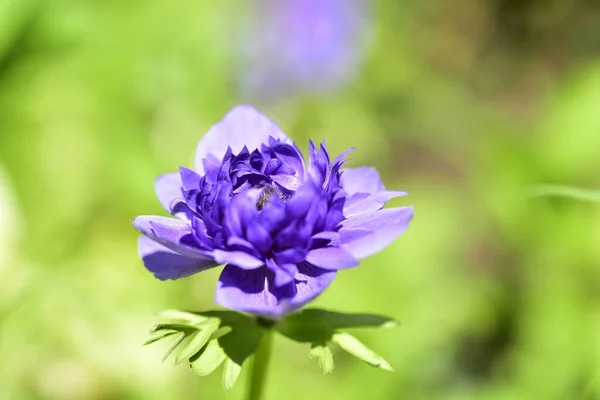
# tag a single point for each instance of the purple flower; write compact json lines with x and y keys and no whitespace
{"x":294,"y":46}
{"x":282,"y":225}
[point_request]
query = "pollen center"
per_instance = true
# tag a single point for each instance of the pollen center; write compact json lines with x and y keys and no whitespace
{"x":268,"y":191}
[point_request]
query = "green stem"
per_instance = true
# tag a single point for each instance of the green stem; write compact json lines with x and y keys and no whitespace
{"x":259,"y":366}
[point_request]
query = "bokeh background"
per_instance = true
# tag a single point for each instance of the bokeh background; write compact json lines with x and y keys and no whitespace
{"x":466,"y":104}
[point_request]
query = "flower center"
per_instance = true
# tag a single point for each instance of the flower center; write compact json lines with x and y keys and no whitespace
{"x":268,"y":191}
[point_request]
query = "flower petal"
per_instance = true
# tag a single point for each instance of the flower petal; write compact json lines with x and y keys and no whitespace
{"x":368,"y":233}
{"x":332,"y":258}
{"x":242,"y":126}
{"x":168,"y":232}
{"x":284,"y":273}
{"x":238,"y":258}
{"x":254,"y":291}
{"x":168,"y":191}
{"x":310,"y":282}
{"x":166,"y":264}
{"x":249,"y":291}
{"x":361,"y":180}
{"x":362,"y":202}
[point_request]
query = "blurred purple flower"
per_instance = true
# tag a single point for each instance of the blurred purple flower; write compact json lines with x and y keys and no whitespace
{"x":282,"y":226}
{"x":294,"y":46}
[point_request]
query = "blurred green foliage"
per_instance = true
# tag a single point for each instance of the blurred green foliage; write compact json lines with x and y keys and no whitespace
{"x":465,"y":104}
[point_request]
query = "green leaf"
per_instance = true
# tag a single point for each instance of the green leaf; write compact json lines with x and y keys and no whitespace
{"x":323,"y":353}
{"x":181,"y":316}
{"x":199,"y":340}
{"x":570,"y":192}
{"x":208,"y":360}
{"x":318,"y":326}
{"x":159,"y":335}
{"x":231,"y":372}
{"x":176,"y":343}
{"x":214,"y":336}
{"x":355,"y":347}
{"x":173,"y":327}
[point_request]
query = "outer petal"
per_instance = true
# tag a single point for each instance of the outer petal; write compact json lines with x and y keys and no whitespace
{"x":242,"y":126}
{"x":168,"y":191}
{"x":331,"y":258}
{"x":361,"y":180}
{"x":368,"y":233}
{"x":254,"y":291}
{"x":168,"y":232}
{"x":362,"y":202}
{"x":166,"y":264}
{"x":365,"y":191}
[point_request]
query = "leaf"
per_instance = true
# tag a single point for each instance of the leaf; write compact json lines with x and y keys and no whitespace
{"x":355,"y":347}
{"x":231,"y":372}
{"x":323,"y":353}
{"x":318,"y":326}
{"x":173,"y":327}
{"x":159,"y":335}
{"x":199,"y":340}
{"x":181,"y":316}
{"x":214,"y":336}
{"x":244,"y":337}
{"x":177,"y":342}
{"x":208,"y":360}
{"x":570,"y":192}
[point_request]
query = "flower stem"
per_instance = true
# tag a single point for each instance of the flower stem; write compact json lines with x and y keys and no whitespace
{"x":259,"y":366}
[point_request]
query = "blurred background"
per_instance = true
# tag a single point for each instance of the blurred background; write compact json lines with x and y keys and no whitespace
{"x":465,"y":104}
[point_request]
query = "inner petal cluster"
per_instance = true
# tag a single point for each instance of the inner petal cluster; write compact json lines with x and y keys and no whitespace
{"x":263,"y":209}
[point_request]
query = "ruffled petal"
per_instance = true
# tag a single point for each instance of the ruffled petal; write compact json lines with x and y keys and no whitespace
{"x":368,"y":233}
{"x":249,"y":291}
{"x":255,"y":292}
{"x":242,"y":126}
{"x":166,"y":264}
{"x":169,"y":232}
{"x":168,"y":191}
{"x":238,"y":258}
{"x":332,"y":258}
{"x":311,"y":281}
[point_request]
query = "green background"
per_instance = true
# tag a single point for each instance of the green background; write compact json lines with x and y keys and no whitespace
{"x":465,"y":104}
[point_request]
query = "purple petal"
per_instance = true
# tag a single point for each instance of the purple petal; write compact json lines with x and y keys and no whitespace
{"x":368,"y":233}
{"x":190,"y":180}
{"x":248,"y":291}
{"x":166,"y":264}
{"x":362,"y":202}
{"x":290,"y":182}
{"x":310,"y":282}
{"x":242,"y":126}
{"x":284,"y":273}
{"x":332,"y":258}
{"x":168,"y":191}
{"x":238,"y":258}
{"x":254,"y":291}
{"x":258,"y":235}
{"x":168,"y":232}
{"x":361,"y":180}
